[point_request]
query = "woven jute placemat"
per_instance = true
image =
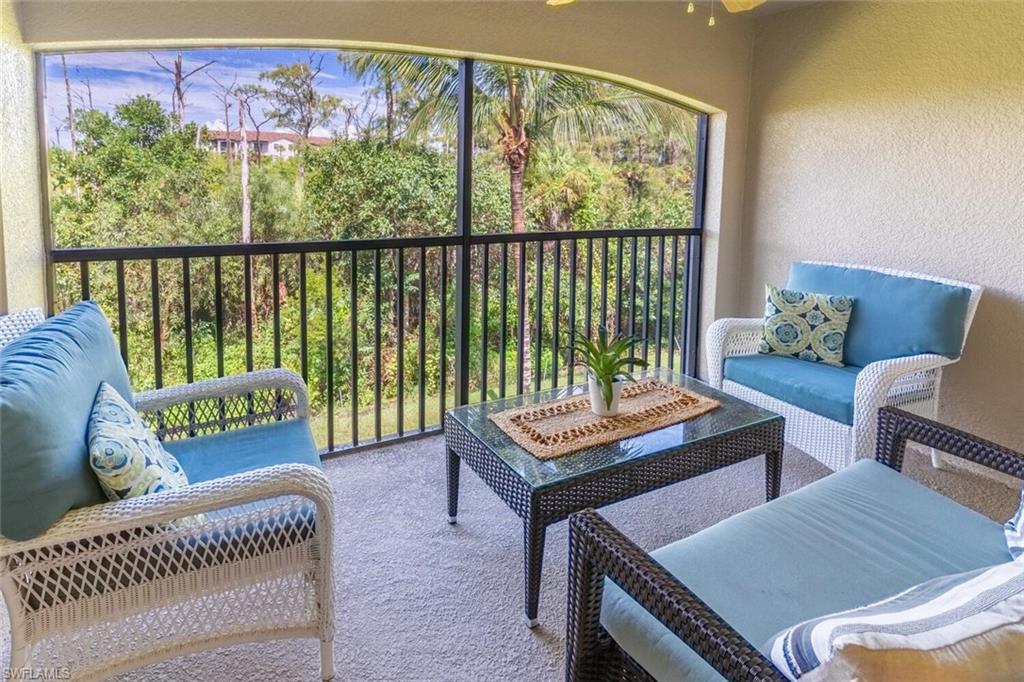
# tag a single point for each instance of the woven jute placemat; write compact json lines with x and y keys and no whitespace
{"x":560,"y":427}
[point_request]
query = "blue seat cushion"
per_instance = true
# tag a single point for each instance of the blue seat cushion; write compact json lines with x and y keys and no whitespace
{"x":49,"y":378}
{"x":205,"y":458}
{"x":893,"y":316}
{"x":852,"y":538}
{"x":816,"y":387}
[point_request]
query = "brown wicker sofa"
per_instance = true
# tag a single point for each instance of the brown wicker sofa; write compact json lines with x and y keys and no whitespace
{"x":669,"y":628}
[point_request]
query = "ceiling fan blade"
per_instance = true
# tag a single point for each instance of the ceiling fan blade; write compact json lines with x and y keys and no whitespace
{"x":734,"y":6}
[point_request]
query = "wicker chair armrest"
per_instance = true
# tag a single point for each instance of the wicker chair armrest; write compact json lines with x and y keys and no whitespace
{"x":875,"y":380}
{"x":281,"y":480}
{"x":598,"y":550}
{"x":727,"y":337}
{"x":896,"y":427}
{"x":871,"y":392}
{"x":224,"y":387}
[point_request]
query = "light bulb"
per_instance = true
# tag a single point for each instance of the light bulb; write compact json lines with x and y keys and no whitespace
{"x":711,"y":21}
{"x":689,"y":8}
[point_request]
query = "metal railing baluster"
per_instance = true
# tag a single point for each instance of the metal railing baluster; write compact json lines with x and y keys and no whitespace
{"x":329,"y":323}
{"x":377,"y":378}
{"x":354,"y":344}
{"x":556,"y":274}
{"x":503,"y":343}
{"x":158,"y":359}
{"x":400,"y":293}
{"x":421,"y":323}
{"x":485,"y":278}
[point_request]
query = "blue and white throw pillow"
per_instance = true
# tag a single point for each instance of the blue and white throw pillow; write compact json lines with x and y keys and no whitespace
{"x":1014,"y":529}
{"x":804,"y":325}
{"x":963,"y":626}
{"x":124,"y":454}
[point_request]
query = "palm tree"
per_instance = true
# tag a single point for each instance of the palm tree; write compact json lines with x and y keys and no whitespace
{"x":521,"y":108}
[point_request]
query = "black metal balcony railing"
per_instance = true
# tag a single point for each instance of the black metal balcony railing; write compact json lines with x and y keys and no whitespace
{"x":503,"y":313}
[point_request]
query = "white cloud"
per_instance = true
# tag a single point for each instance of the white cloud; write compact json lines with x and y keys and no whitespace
{"x":116,"y":76}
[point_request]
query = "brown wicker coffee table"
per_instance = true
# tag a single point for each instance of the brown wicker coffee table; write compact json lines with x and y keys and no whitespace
{"x":543,"y":492}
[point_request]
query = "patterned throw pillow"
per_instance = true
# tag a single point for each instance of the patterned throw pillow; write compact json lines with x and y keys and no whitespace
{"x":804,"y":325}
{"x":126,"y":457}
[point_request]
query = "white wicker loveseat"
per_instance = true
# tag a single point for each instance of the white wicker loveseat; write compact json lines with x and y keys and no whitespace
{"x":242,"y":553}
{"x":930,"y":320}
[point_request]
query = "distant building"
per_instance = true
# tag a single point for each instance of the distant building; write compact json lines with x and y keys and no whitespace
{"x":272,"y":144}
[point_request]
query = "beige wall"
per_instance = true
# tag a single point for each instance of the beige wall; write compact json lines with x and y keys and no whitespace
{"x":22,"y":265}
{"x":652,"y":43}
{"x":893,"y":135}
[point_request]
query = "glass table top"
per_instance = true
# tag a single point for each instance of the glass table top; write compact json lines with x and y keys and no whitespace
{"x":732,"y":415}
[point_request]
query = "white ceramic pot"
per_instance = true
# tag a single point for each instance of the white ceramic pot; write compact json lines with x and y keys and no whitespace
{"x":597,"y":403}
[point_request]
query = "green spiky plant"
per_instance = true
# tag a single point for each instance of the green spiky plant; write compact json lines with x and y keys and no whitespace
{"x":608,"y":360}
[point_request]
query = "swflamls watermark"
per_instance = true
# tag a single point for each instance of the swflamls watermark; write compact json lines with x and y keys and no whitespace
{"x":58,"y":673}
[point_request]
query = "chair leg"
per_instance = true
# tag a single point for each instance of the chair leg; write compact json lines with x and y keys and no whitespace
{"x":327,"y":660}
{"x":938,"y":458}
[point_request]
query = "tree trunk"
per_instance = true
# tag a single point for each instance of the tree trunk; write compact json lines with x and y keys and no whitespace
{"x":179,"y":90}
{"x":243,"y":141}
{"x":389,"y":105}
{"x":243,"y":153}
{"x":300,"y":171}
{"x":227,"y":131}
{"x":516,"y":171}
{"x":71,"y":124}
{"x":71,"y":110}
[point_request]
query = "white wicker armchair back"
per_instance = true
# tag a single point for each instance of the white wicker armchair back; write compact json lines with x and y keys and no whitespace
{"x":17,"y":323}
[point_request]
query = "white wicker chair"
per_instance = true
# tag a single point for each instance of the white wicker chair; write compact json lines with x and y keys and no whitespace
{"x":17,"y":323}
{"x":120,"y":585}
{"x":911,"y":383}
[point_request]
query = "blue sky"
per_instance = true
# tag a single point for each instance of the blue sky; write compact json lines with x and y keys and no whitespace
{"x":116,"y":76}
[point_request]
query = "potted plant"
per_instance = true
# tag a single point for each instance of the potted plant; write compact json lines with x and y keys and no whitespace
{"x":607,"y":364}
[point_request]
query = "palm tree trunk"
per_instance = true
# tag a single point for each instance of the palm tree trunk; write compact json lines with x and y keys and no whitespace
{"x":516,"y":171}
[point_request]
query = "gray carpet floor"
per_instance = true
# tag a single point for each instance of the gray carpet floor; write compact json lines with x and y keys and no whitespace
{"x":420,"y":600}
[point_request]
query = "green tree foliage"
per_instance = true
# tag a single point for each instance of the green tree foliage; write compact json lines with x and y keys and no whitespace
{"x":136,"y":180}
{"x":295,"y":102}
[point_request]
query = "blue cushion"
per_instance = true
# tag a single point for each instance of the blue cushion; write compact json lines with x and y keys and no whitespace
{"x":48,"y":382}
{"x":893,"y":316}
{"x":852,"y":538}
{"x":231,"y":452}
{"x":814,"y":386}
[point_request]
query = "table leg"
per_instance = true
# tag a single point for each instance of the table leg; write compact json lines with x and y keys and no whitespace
{"x":453,"y":485}
{"x":533,"y":555}
{"x":772,"y":473}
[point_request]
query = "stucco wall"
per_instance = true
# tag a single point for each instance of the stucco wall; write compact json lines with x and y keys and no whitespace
{"x":22,"y":265}
{"x":652,"y":43}
{"x":892,"y":134}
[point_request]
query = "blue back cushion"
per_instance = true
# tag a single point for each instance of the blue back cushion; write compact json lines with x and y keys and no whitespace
{"x":892,"y":316}
{"x":48,"y":382}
